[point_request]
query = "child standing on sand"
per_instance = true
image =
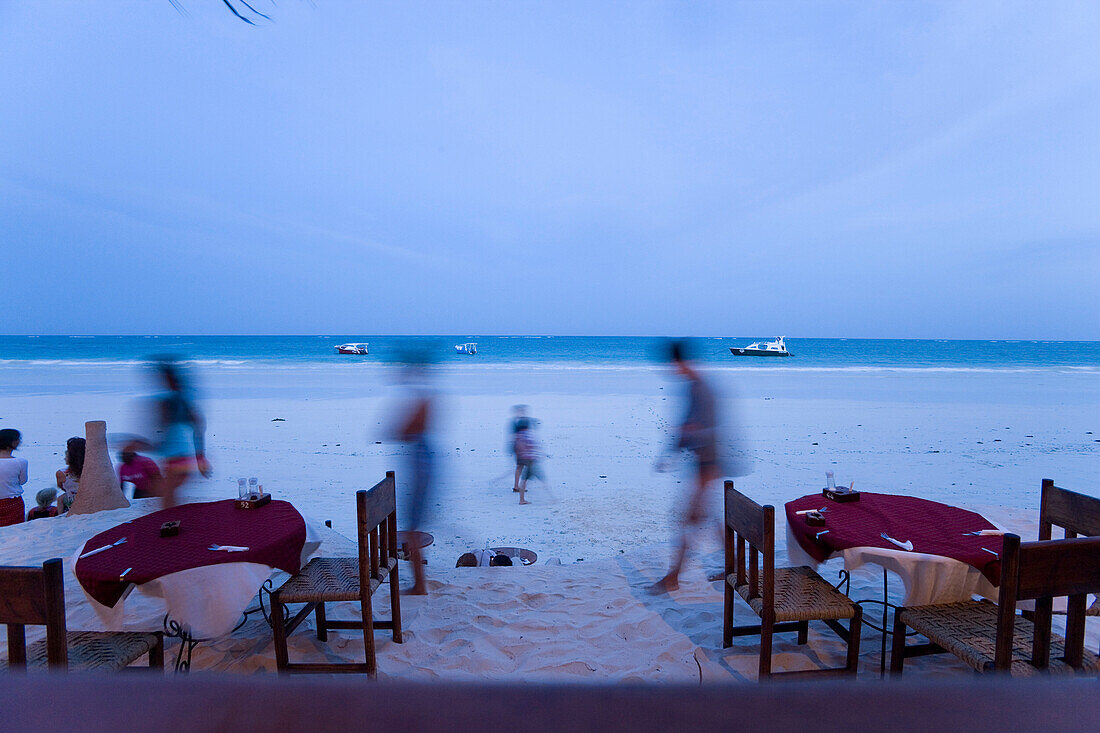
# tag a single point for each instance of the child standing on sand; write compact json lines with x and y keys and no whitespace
{"x":519,"y":419}
{"x":13,"y":474}
{"x":527,"y":458}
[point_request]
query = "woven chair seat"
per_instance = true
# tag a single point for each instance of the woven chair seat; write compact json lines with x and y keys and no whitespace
{"x":93,"y":651}
{"x":800,"y":595}
{"x":968,"y":630}
{"x":329,"y":579}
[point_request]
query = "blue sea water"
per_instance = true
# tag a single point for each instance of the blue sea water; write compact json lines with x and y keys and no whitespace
{"x":817,"y":354}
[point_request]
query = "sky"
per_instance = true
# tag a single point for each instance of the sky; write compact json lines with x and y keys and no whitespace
{"x":877,"y":170}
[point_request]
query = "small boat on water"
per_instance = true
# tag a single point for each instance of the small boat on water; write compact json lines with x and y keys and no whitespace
{"x":768,"y":348}
{"x":470,"y":348}
{"x":356,"y":349}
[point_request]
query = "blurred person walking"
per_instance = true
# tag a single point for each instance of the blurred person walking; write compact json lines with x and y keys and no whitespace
{"x":414,"y":429}
{"x":177,"y":433}
{"x":520,"y":421}
{"x":13,"y":475}
{"x":697,"y":434}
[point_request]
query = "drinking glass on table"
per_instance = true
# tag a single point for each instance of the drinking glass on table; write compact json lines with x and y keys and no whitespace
{"x":242,"y":489}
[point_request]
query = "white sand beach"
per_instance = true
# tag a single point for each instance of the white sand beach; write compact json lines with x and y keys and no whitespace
{"x":581,"y":623}
{"x":981,"y":441}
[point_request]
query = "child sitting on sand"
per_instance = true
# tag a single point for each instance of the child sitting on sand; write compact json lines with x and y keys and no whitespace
{"x":483,"y":558}
{"x":142,"y":472}
{"x":45,"y":506}
{"x":527,"y":457}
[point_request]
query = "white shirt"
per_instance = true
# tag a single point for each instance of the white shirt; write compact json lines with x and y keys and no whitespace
{"x":13,"y":474}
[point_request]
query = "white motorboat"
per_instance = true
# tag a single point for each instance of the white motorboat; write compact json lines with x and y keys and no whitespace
{"x":470,"y":348}
{"x":356,"y":349}
{"x":768,"y":348}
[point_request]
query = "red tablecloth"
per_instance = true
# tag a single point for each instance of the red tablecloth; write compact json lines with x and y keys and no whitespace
{"x":932,"y":527}
{"x":274,"y":533}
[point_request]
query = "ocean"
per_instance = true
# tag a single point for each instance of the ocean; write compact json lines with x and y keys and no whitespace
{"x":818,"y":354}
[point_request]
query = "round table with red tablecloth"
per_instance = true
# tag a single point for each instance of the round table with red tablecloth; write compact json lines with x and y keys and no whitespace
{"x":945,"y":565}
{"x":205,"y":590}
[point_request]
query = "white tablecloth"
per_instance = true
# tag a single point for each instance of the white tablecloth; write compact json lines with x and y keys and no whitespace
{"x":928,"y":579}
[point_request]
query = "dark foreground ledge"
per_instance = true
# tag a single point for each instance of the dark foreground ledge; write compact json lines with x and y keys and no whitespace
{"x":134,"y":702}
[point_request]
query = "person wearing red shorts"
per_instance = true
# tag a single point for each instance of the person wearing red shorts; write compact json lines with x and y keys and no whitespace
{"x":13,"y":475}
{"x":179,"y":433}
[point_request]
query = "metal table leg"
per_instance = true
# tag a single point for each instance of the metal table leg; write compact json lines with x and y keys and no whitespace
{"x":175,"y":630}
{"x":885,"y":611}
{"x":885,"y":630}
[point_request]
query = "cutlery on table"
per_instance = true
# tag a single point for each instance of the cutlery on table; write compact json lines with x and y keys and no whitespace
{"x":994,"y":554}
{"x":228,"y":548}
{"x":122,"y":575}
{"x":811,"y":511}
{"x":98,"y":550}
{"x":818,"y":535}
{"x":907,"y":545}
{"x":984,"y":533}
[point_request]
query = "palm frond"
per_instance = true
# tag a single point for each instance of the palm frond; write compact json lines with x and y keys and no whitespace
{"x":234,"y":11}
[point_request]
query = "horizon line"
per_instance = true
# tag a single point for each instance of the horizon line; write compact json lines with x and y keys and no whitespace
{"x":530,"y":335}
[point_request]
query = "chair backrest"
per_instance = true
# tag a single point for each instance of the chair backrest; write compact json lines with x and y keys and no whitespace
{"x":748,"y":523}
{"x":1042,"y":571}
{"x":31,"y":596}
{"x":1077,"y":514}
{"x":376,"y":509}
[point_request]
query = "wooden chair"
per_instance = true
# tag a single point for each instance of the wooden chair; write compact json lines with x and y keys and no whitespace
{"x":332,"y":579}
{"x":1077,"y":515}
{"x":786,"y":599}
{"x":36,"y":597}
{"x":993,"y":638}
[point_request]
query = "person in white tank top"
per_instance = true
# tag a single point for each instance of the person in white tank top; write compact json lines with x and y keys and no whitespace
{"x":13,"y":475}
{"x":68,"y":478}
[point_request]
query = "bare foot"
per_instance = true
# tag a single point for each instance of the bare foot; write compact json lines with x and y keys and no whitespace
{"x":664,"y":585}
{"x":714,"y":577}
{"x":416,"y":590}
{"x":524,"y":501}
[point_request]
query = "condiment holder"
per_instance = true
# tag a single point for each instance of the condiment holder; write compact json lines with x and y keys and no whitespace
{"x":252,"y":501}
{"x":250,"y":495}
{"x":838,"y":494}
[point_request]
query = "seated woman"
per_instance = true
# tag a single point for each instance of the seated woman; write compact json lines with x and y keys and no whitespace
{"x":68,"y":478}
